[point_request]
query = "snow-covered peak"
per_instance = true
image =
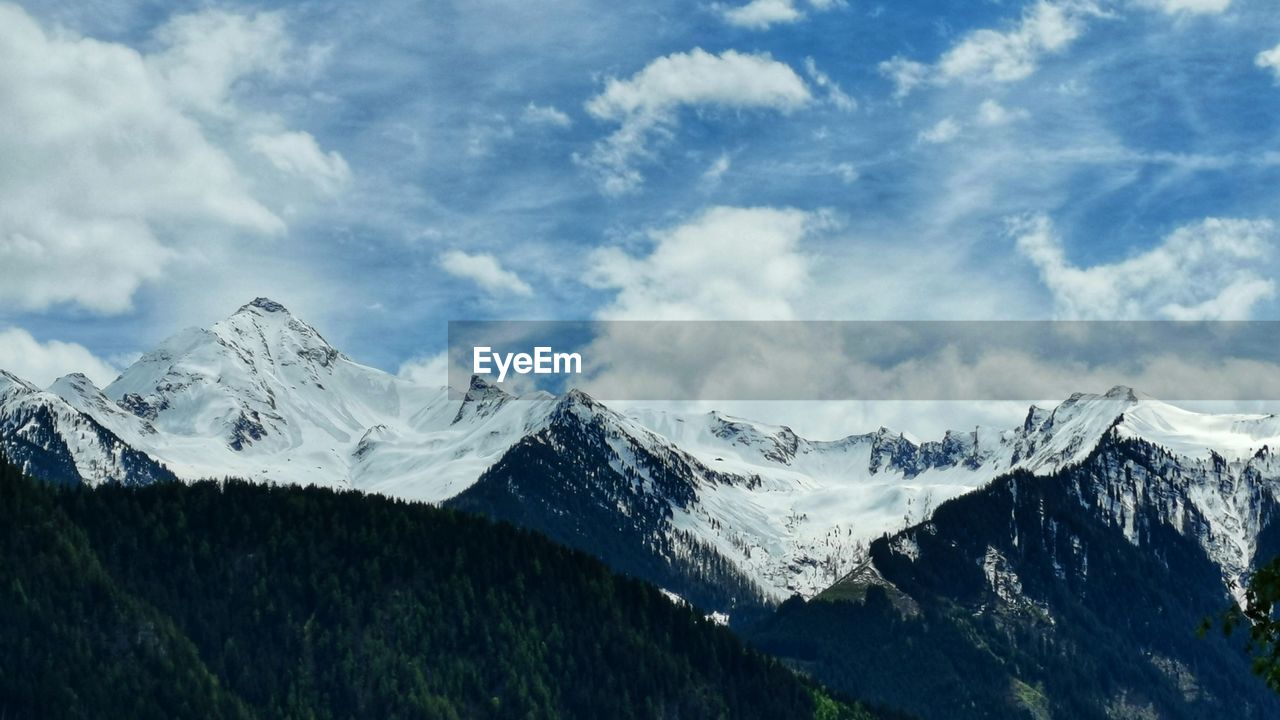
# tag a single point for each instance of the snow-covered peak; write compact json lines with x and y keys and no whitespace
{"x":10,"y":382}
{"x":78,"y":391}
{"x":74,"y":384}
{"x":1193,"y":434}
{"x":264,"y":304}
{"x":1067,"y":434}
{"x":270,"y":388}
{"x":481,"y":400}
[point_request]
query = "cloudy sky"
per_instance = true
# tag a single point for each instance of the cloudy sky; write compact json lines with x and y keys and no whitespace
{"x":383,"y":167}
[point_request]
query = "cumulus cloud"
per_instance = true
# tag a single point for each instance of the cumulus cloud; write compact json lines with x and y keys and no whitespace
{"x":763,"y":14}
{"x":432,"y":370}
{"x":107,"y":158}
{"x":727,"y":263}
{"x":298,"y":154}
{"x":1203,"y":271}
{"x":993,"y":114}
{"x":1188,"y":7}
{"x":484,"y":270}
{"x":944,"y":131}
{"x":1270,"y":60}
{"x":42,"y":363}
{"x":648,"y":103}
{"x":550,"y":115}
{"x":998,"y":56}
{"x":205,"y":54}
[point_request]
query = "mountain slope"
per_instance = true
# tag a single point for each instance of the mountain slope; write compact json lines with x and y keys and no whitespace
{"x":595,"y":481}
{"x":51,"y":437}
{"x":262,"y":395}
{"x":252,"y":601}
{"x":1075,"y":594}
{"x":72,"y":642}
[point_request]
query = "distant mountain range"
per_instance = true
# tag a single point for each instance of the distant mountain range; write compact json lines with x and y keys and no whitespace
{"x":733,"y":515}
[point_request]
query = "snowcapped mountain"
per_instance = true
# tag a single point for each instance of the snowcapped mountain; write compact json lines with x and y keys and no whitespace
{"x":1076,"y":593}
{"x":61,"y":440}
{"x":263,"y":395}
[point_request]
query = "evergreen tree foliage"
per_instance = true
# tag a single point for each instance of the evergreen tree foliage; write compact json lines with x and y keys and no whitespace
{"x":1100,"y":625}
{"x":228,"y":599}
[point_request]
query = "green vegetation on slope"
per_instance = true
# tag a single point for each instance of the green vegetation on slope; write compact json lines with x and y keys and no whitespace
{"x":238,"y":600}
{"x":1098,"y":627}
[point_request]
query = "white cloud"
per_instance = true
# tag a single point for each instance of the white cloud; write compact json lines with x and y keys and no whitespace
{"x":998,"y":56}
{"x":714,"y":172}
{"x":207,"y":53}
{"x":1189,"y":7}
{"x":298,"y":154}
{"x":117,"y":163}
{"x":42,"y":363}
{"x":847,"y":172}
{"x":1203,"y":271}
{"x":535,"y":114}
{"x":485,"y":270}
{"x":906,"y":75}
{"x":432,"y":370}
{"x":698,"y":77}
{"x":1270,"y":60}
{"x":991,"y":55}
{"x":484,"y":134}
{"x":946,"y":130}
{"x":762,"y":14}
{"x":993,"y":114}
{"x":835,"y":95}
{"x":648,"y":102}
{"x":727,"y":263}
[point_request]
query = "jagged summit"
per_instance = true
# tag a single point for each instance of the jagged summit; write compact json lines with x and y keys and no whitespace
{"x":266,"y":305}
{"x":1123,"y":392}
{"x":74,"y":380}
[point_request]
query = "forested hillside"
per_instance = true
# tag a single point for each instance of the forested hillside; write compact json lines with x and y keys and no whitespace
{"x":1030,"y":599}
{"x":238,"y":600}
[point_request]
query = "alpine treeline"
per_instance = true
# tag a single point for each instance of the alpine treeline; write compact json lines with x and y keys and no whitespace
{"x":235,"y":600}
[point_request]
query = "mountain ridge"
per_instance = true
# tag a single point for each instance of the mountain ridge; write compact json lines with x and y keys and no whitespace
{"x":262,"y":395}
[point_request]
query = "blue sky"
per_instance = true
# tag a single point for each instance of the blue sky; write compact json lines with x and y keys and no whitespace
{"x":384,"y":167}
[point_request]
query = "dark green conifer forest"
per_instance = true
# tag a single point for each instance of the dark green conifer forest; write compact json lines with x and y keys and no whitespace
{"x":234,"y":600}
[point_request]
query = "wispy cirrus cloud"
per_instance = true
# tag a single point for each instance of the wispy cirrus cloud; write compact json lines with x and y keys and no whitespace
{"x":1188,"y":7}
{"x":648,"y":104}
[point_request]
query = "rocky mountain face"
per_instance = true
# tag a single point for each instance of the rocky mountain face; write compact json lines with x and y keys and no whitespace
{"x":728,"y":512}
{"x":57,"y":435}
{"x":1076,"y":593}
